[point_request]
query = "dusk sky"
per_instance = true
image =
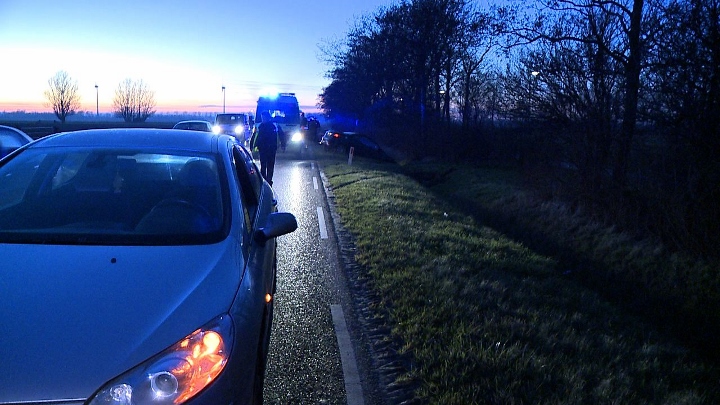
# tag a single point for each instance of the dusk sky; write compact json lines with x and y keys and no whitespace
{"x":183,"y":50}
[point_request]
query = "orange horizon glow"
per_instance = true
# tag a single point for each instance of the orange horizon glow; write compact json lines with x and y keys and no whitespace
{"x":35,"y":107}
{"x":194,"y":58}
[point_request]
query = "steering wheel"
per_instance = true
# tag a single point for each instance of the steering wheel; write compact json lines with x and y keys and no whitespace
{"x":177,"y":215}
{"x":183,"y":204}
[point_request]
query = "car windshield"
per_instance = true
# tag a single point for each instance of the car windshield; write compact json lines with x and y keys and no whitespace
{"x":98,"y":196}
{"x":228,"y":119}
{"x":194,"y":126}
{"x":282,"y":112}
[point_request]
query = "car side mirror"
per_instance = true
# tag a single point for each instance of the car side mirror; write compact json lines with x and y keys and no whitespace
{"x":277,"y":224}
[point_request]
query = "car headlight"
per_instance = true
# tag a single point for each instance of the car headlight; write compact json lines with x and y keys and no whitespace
{"x":216,"y":129}
{"x":176,"y":374}
{"x":297,"y":137}
{"x":239,"y":129}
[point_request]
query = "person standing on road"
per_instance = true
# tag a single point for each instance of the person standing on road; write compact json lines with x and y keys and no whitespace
{"x":265,"y":137}
{"x":313,"y":128}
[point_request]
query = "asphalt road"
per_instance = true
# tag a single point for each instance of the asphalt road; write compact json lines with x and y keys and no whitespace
{"x":312,"y":359}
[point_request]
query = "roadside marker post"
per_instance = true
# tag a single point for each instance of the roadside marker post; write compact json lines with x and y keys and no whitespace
{"x":350,"y":156}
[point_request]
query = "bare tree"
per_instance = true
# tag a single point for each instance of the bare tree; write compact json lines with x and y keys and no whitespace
{"x":477,"y":42}
{"x":683,"y":102}
{"x":614,"y":29}
{"x":133,"y":101}
{"x":63,"y":95}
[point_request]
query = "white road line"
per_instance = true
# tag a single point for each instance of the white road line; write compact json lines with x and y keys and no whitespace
{"x":321,"y":222}
{"x":315,"y":183}
{"x":353,"y":388}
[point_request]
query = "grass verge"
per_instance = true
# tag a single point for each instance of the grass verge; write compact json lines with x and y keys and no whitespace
{"x":486,"y":319}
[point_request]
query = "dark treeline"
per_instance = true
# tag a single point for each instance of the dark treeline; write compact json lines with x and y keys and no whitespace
{"x":614,"y":105}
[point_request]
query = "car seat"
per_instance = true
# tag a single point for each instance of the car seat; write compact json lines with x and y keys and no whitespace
{"x":193,"y":207}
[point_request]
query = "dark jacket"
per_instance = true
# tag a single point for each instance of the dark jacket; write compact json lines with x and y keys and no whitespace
{"x":265,"y":137}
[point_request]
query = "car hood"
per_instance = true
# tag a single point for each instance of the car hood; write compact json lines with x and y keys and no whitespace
{"x":74,"y":317}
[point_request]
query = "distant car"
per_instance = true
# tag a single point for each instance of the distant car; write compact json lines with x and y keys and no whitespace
{"x":235,"y":124}
{"x":139,"y":267}
{"x":359,"y":144}
{"x":334,"y":140}
{"x":11,"y":139}
{"x":194,"y":125}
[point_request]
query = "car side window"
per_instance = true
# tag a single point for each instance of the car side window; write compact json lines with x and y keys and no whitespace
{"x":246,"y":173}
{"x":15,"y":180}
{"x":256,"y":180}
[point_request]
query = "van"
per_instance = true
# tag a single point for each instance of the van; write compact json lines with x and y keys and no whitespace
{"x":285,"y":112}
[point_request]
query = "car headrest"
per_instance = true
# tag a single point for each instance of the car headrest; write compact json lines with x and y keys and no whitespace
{"x":198,"y":173}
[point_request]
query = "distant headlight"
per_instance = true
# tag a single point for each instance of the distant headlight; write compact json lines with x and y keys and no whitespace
{"x":216,"y":129}
{"x":176,"y":374}
{"x":239,"y":129}
{"x":297,"y":137}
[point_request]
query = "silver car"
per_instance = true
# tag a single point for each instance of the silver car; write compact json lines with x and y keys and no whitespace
{"x":194,"y":125}
{"x":138,"y":266}
{"x":11,"y":139}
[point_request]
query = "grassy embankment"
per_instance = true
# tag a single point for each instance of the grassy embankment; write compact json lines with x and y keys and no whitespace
{"x":487,"y":319}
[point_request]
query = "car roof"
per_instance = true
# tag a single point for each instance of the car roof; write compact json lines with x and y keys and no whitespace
{"x":17,"y":131}
{"x":193,"y":121}
{"x":135,"y":138}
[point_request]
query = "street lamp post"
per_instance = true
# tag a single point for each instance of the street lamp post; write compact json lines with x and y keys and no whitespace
{"x":223,"y":89}
{"x":97,"y":101}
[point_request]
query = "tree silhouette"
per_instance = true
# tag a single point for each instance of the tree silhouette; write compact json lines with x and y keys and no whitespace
{"x":63,"y":95}
{"x":406,"y":59}
{"x":133,"y":101}
{"x":612,"y":32}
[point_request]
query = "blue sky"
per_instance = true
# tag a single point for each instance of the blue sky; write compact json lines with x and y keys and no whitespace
{"x":183,"y":50}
